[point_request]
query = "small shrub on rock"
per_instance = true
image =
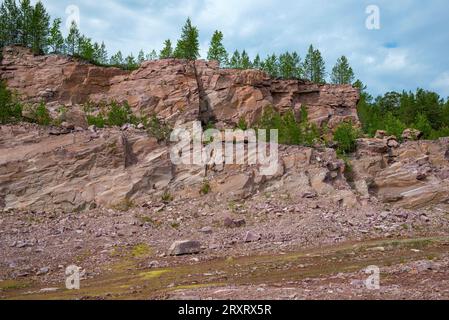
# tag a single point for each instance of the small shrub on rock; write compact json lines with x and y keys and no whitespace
{"x":158,"y":129}
{"x":10,"y":109}
{"x":346,"y":136}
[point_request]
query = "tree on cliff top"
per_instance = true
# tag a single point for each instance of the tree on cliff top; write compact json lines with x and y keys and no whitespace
{"x":217,"y":50}
{"x":24,"y":24}
{"x":56,"y":40}
{"x":72,"y":40}
{"x":188,"y":46}
{"x":40,"y":28}
{"x":342,"y":72}
{"x":167,"y":51}
{"x":314,"y":66}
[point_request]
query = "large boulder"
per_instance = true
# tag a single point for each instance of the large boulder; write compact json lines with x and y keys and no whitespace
{"x":180,"y":248}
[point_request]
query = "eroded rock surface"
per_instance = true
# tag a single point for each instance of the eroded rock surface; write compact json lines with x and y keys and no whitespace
{"x":176,"y":90}
{"x":113,"y":168}
{"x":412,"y":175}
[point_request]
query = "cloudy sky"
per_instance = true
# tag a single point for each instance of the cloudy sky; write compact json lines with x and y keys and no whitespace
{"x":410,"y":50}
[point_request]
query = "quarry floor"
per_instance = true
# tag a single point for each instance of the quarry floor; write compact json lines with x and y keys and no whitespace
{"x":309,"y":249}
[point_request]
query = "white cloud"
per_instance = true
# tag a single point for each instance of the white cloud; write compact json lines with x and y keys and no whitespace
{"x":266,"y":26}
{"x":395,"y":59}
{"x":441,"y":83}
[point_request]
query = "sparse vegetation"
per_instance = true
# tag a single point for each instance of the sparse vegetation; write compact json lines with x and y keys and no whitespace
{"x":112,"y":114}
{"x":97,"y":121}
{"x":141,"y":250}
{"x":205,"y":188}
{"x":124,"y":205}
{"x":158,"y":129}
{"x":119,"y":115}
{"x":291,"y":131}
{"x":242,"y":125}
{"x":39,"y":114}
{"x":346,"y":136}
{"x":10,"y":108}
{"x":167,"y":197}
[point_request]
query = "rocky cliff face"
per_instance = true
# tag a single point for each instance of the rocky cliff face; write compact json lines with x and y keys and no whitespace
{"x":112,"y":168}
{"x":54,"y":79}
{"x":176,"y":90}
{"x":412,"y":175}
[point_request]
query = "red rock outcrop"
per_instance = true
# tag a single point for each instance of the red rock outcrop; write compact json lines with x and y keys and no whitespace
{"x":53,"y":78}
{"x":177,"y":90}
{"x":109,"y":168}
{"x":411,"y":175}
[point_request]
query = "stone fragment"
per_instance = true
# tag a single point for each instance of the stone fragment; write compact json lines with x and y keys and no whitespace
{"x":185,"y":247}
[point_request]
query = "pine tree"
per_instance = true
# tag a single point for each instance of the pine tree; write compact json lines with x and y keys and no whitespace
{"x":257,"y":64}
{"x":86,"y":49}
{"x":103,"y":54}
{"x":290,"y":65}
{"x":236,"y":60}
{"x":217,"y":50}
{"x":297,"y":66}
{"x":308,"y":64}
{"x":342,"y":72}
{"x":130,"y":62}
{"x":151,"y":56}
{"x":314,"y":66}
{"x":319,"y":68}
{"x":72,"y":40}
{"x":141,"y":57}
{"x":100,"y":55}
{"x":96,"y":52}
{"x":117,"y":60}
{"x":56,"y":40}
{"x":271,"y":66}
{"x":167,"y":51}
{"x":40,"y":28}
{"x":3,"y":26}
{"x":9,"y":22}
{"x":423,"y":124}
{"x":246,"y":62}
{"x":25,"y":21}
{"x":188,"y":46}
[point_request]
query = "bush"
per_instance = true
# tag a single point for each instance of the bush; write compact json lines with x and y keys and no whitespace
{"x":346,"y":137}
{"x":167,"y":197}
{"x":10,"y":110}
{"x":394,"y":126}
{"x":39,"y":114}
{"x":205,"y":188}
{"x":242,"y":125}
{"x":441,"y":133}
{"x":158,"y":129}
{"x":42,"y":115}
{"x":291,"y":131}
{"x":423,"y":124}
{"x":119,"y":115}
{"x":97,"y":121}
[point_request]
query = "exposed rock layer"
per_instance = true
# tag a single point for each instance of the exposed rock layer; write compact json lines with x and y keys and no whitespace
{"x":177,"y":90}
{"x":83,"y":170}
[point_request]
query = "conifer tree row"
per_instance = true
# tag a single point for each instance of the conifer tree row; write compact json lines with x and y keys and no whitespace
{"x":30,"y":26}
